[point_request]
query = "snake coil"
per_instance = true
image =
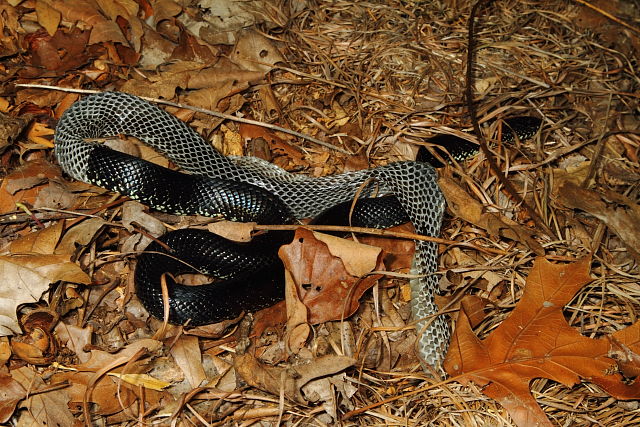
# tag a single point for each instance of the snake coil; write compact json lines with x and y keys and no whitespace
{"x":241,"y":189}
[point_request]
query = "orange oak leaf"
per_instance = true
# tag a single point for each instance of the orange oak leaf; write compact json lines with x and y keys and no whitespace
{"x":536,"y":341}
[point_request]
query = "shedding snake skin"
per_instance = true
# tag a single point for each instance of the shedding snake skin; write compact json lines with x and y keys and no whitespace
{"x":242,"y":189}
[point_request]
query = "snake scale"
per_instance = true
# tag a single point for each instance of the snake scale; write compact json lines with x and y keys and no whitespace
{"x":240,"y":189}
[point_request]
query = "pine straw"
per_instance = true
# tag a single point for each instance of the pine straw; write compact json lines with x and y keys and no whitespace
{"x":398,"y":70}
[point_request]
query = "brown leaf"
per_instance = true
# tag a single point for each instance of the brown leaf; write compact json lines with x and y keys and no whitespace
{"x":105,"y":388}
{"x":473,"y":307}
{"x":80,"y":234}
{"x":536,"y":341}
{"x":298,"y":329}
{"x":324,"y":284}
{"x":290,"y":379}
{"x":276,"y":143}
{"x":23,"y":184}
{"x":255,"y":52}
{"x":38,"y":242}
{"x":165,"y":9}
{"x":155,"y":50}
{"x":38,"y":347}
{"x":43,"y":409}
{"x":10,"y":129}
{"x":622,"y":216}
{"x":5,"y":350}
{"x":223,"y":73}
{"x":208,"y":98}
{"x":103,"y":29}
{"x":190,"y":49}
{"x":75,"y":339}
{"x":12,"y":393}
{"x":467,"y":208}
{"x":26,"y":278}
{"x":188,"y":357}
{"x":236,"y":231}
{"x":58,"y":53}
{"x":398,"y":253}
{"x":269,"y":317}
{"x":48,"y":17}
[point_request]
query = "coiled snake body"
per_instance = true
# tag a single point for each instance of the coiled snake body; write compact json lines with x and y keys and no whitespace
{"x":241,"y":189}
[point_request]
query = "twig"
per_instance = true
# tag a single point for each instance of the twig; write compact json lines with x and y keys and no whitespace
{"x":203,"y":111}
{"x":378,"y":232}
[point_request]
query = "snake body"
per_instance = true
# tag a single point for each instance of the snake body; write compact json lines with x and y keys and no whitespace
{"x":240,"y":189}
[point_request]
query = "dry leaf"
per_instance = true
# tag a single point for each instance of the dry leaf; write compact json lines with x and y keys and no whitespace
{"x":37,"y":346}
{"x":298,"y":328}
{"x":79,"y":234}
{"x":190,"y":48}
{"x":187,"y":355}
{"x":276,"y":143}
{"x":59,"y":53}
{"x":323,"y":283}
{"x":105,"y":388}
{"x":42,"y":409}
{"x":26,"y":278}
{"x":24,"y":184}
{"x":255,"y":52}
{"x":142,"y":380}
{"x":48,"y":17}
{"x":5,"y":351}
{"x":12,"y":393}
{"x":236,"y":231}
{"x":38,"y":242}
{"x":10,"y":129}
{"x":398,"y":253}
{"x":291,"y":379}
{"x":536,"y":341}
{"x":76,"y":339}
{"x":467,"y":208}
{"x":622,"y":215}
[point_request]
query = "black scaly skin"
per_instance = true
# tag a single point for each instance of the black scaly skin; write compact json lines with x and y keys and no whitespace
{"x":379,"y":212}
{"x":524,"y":127}
{"x":258,"y":283}
{"x":174,"y":192}
{"x":241,"y":189}
{"x":387,"y":211}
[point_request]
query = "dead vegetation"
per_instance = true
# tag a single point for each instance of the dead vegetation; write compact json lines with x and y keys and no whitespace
{"x":375,"y":79}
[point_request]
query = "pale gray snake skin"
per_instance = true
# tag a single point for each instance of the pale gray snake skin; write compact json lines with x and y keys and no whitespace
{"x":413,"y":183}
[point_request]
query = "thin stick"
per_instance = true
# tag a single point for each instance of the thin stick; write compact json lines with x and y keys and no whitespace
{"x":204,"y":111}
{"x":378,"y":232}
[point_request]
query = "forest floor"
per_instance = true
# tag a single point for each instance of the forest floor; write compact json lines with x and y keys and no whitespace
{"x":544,"y":310}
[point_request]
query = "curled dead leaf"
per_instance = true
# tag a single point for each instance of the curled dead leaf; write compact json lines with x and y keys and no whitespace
{"x":621,"y":214}
{"x":38,"y":347}
{"x":27,"y":277}
{"x":322,"y":281}
{"x":38,"y":242}
{"x":87,"y":381}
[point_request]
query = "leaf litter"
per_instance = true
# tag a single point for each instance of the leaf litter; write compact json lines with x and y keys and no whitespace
{"x":546,"y":326}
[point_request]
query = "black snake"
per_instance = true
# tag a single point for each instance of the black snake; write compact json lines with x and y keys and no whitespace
{"x":240,"y":189}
